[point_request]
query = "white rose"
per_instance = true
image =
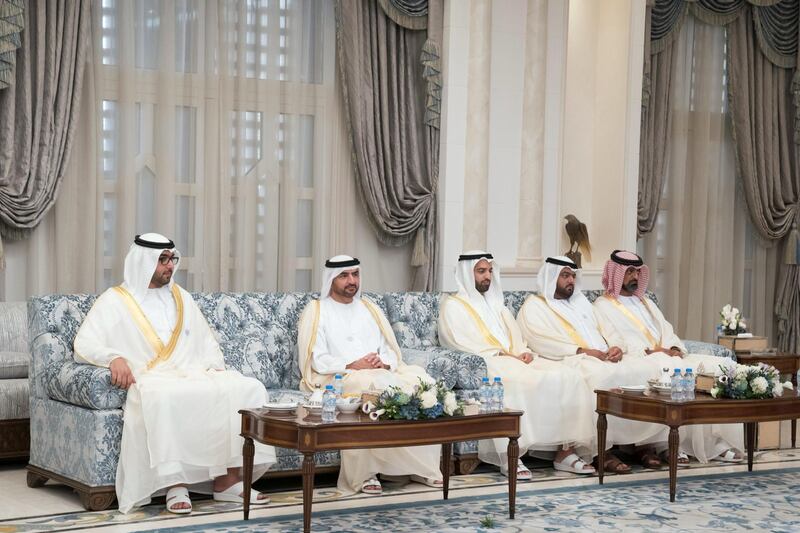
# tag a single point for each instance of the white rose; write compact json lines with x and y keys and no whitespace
{"x":759,"y":385}
{"x":732,"y":325}
{"x":450,"y":403}
{"x":735,"y":312}
{"x":428,"y":399}
{"x":777,"y":389}
{"x":741,"y":370}
{"x":726,"y":309}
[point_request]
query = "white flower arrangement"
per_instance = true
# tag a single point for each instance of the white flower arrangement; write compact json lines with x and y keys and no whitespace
{"x":749,"y":382}
{"x":731,"y":320}
{"x":428,"y":399}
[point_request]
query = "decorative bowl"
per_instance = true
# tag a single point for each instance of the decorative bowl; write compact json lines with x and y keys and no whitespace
{"x":346,"y":405}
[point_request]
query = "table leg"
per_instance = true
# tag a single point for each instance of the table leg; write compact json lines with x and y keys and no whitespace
{"x":308,"y":489}
{"x":446,"y":450}
{"x":674,"y":439}
{"x":513,"y":456}
{"x":248,"y":452}
{"x":794,"y":432}
{"x":602,"y":426}
{"x":750,"y":440}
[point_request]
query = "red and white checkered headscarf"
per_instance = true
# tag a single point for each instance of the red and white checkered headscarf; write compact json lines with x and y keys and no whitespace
{"x":614,"y":272}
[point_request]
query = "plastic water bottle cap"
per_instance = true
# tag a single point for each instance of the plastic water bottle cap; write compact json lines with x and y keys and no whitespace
{"x":688,"y":369}
{"x":677,"y":370}
{"x":486,"y":380}
{"x":337,"y":376}
{"x":328,"y":387}
{"x":496,"y":380}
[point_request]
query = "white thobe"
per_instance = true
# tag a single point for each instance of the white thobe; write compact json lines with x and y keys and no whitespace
{"x":346,"y":333}
{"x":559,"y":336}
{"x":556,"y":402}
{"x":644,"y":327}
{"x":181,"y":421}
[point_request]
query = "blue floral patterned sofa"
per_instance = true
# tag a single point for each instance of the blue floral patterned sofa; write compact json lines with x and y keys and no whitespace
{"x":76,"y":415}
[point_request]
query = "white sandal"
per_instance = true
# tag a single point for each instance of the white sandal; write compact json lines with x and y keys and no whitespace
{"x":372,"y":487}
{"x":232,"y":494}
{"x":177,"y":495}
{"x":429,"y":481}
{"x":573,"y":464}
{"x":523,"y":474}
{"x":729,"y":456}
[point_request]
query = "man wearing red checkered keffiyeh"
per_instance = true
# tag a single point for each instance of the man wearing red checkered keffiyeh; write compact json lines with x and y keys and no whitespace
{"x":626,"y":313}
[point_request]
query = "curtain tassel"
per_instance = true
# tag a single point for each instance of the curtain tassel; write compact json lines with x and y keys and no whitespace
{"x":418,"y":256}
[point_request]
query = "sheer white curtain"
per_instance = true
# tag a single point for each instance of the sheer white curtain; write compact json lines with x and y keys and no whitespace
{"x":218,"y":124}
{"x":703,"y":253}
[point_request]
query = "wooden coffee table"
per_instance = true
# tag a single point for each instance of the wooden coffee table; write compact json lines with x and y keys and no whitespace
{"x":784,"y":362}
{"x":352,"y":431}
{"x":702,"y":410}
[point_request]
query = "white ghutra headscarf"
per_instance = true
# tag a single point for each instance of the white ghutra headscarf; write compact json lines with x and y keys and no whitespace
{"x":488,"y":305}
{"x":335,"y":266}
{"x":577,"y":310}
{"x":142,"y":260}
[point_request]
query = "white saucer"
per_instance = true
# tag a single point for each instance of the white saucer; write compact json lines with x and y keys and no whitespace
{"x":281,"y":406}
{"x":633,"y":389}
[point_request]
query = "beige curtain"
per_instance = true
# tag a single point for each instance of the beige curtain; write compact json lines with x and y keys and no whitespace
{"x":39,"y":109}
{"x":763,"y":122}
{"x":217,"y":123}
{"x":391,"y":86}
{"x":702,"y":252}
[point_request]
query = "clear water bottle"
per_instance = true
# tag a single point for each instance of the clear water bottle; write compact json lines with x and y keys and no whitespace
{"x":328,"y":404}
{"x":676,"y":387}
{"x":688,"y":384}
{"x":485,"y":396}
{"x":497,"y":395}
{"x":338,"y":385}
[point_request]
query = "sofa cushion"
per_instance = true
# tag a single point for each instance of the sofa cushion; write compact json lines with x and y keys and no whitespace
{"x":14,"y":399}
{"x":14,"y":364}
{"x":414,"y":317}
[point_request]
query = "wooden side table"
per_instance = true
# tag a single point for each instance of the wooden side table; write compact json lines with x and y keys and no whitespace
{"x":353,"y":431}
{"x":702,"y":410}
{"x":784,"y":362}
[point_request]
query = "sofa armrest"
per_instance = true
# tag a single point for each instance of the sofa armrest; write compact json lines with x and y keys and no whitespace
{"x":708,"y":348}
{"x":84,"y":385}
{"x":458,"y":370}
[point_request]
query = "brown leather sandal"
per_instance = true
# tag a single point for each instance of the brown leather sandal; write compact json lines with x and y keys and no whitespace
{"x":649,"y":459}
{"x":614,"y":465}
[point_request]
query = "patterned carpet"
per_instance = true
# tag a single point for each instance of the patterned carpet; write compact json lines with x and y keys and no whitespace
{"x":714,"y":502}
{"x":754,"y":501}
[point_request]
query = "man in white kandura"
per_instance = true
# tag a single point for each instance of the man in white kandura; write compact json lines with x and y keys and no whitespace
{"x":181,"y":422}
{"x":626,"y":313}
{"x":343,"y":333}
{"x":556,"y":400}
{"x":559,"y":323}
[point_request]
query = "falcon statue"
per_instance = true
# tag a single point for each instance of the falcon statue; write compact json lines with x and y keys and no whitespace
{"x":578,"y":238}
